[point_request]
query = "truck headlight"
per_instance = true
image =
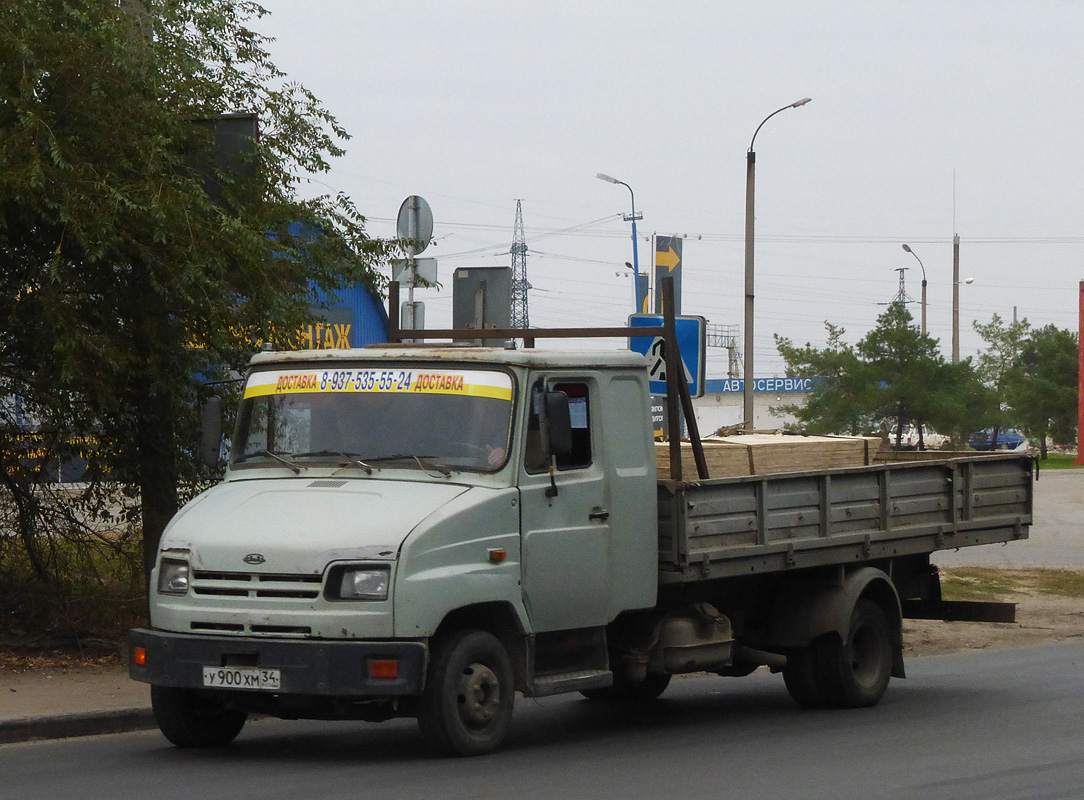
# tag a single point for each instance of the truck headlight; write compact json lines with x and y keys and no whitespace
{"x":361,"y":582}
{"x":173,"y":576}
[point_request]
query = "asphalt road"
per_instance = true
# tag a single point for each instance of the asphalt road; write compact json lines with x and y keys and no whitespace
{"x":1056,"y":538}
{"x":992,"y":725}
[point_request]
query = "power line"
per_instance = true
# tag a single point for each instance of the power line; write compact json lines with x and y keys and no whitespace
{"x":583,"y":229}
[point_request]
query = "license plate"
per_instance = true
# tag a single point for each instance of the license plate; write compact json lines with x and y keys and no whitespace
{"x":241,"y":678}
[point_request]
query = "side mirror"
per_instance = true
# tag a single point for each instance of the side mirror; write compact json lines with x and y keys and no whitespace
{"x":558,"y":424}
{"x":210,"y":429}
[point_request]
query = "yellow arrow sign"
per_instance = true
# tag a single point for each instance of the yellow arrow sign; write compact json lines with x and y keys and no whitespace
{"x":667,"y":258}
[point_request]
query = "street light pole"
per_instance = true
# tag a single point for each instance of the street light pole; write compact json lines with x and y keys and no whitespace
{"x":635,"y":252}
{"x":912,"y":252}
{"x":750,"y":182}
{"x":956,"y":313}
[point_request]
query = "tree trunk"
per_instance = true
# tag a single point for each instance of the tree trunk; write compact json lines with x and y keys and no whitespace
{"x":155,"y":433}
{"x":27,"y":513}
{"x":154,"y":412}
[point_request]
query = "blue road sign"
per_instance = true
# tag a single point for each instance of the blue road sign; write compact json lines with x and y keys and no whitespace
{"x":692,"y":342}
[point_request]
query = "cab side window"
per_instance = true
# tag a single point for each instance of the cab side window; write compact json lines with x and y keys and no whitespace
{"x":580,"y":456}
{"x":578,"y":406}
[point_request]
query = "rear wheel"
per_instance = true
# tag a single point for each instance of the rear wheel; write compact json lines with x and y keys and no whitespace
{"x":189,"y":718}
{"x":801,"y":681}
{"x":854,"y":672}
{"x":466,"y":709}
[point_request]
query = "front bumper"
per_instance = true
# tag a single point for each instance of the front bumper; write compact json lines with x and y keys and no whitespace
{"x":308,"y":666}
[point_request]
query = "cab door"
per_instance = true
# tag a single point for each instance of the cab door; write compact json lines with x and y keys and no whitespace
{"x":566,"y":535}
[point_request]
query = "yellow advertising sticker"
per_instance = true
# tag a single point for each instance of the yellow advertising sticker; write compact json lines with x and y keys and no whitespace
{"x":472,"y":383}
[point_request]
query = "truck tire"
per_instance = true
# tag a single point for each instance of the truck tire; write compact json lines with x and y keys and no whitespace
{"x":854,"y":672}
{"x":653,"y":685}
{"x":801,"y":680}
{"x":466,"y":708}
{"x":189,"y":718}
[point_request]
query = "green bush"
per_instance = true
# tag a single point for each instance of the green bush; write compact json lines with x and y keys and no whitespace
{"x":70,"y":564}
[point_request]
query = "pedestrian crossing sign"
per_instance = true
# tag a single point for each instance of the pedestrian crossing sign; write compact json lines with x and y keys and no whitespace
{"x":691,"y":334}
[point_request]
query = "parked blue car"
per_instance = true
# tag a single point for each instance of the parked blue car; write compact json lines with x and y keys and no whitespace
{"x":1007,"y":439}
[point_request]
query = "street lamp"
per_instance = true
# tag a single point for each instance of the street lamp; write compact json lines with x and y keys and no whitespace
{"x":750,"y":175}
{"x":912,"y":252}
{"x":635,"y":254}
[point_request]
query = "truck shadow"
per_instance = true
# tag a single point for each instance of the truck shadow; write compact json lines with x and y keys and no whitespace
{"x":725,"y":712}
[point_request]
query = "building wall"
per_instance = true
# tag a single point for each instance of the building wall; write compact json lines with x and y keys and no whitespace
{"x":353,"y":319}
{"x":726,"y":409}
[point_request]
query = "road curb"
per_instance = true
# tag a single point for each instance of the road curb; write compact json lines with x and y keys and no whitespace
{"x":71,"y":725}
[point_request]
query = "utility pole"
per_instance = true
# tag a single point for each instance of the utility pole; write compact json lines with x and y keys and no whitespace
{"x":955,"y":297}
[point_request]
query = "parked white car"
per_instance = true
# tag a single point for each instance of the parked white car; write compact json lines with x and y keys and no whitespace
{"x":931,"y":439}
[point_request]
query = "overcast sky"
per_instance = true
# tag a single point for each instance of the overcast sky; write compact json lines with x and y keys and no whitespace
{"x":927,"y":119}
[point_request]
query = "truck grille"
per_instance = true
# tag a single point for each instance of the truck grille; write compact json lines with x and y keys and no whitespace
{"x":243,"y":584}
{"x":237,"y":627}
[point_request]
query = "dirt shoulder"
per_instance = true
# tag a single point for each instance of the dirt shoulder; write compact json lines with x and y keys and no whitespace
{"x":1049,"y":608}
{"x":1040,"y":618}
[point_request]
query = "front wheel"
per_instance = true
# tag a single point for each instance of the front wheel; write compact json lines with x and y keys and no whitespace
{"x":466,"y":708}
{"x":189,"y":718}
{"x":854,"y":672}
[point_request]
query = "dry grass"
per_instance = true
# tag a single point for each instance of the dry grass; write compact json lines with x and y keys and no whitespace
{"x":986,"y":583}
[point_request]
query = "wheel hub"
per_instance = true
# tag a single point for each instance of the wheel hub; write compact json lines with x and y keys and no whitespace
{"x":866,"y":656}
{"x":478,"y":695}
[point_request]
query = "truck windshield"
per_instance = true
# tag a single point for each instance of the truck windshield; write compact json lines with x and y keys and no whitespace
{"x":455,"y":418}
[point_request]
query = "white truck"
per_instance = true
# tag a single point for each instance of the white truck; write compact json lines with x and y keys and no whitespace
{"x":425,"y":531}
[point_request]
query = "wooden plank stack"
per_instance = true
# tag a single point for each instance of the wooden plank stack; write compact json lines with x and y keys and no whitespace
{"x":770,"y":454}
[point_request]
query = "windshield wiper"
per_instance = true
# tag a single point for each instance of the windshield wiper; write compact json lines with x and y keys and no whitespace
{"x":350,"y":458}
{"x":284,"y":461}
{"x":425,"y":466}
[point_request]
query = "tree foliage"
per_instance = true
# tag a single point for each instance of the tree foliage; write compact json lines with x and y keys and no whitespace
{"x":894,"y":377}
{"x":123,"y":277}
{"x":1041,"y":386}
{"x":1004,"y":344}
{"x":842,"y":402}
{"x":1033,"y":373}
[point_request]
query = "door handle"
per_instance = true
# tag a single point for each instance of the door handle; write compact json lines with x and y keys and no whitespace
{"x":599,"y":514}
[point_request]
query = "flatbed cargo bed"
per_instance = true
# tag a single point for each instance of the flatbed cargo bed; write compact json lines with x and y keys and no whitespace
{"x":727,"y":527}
